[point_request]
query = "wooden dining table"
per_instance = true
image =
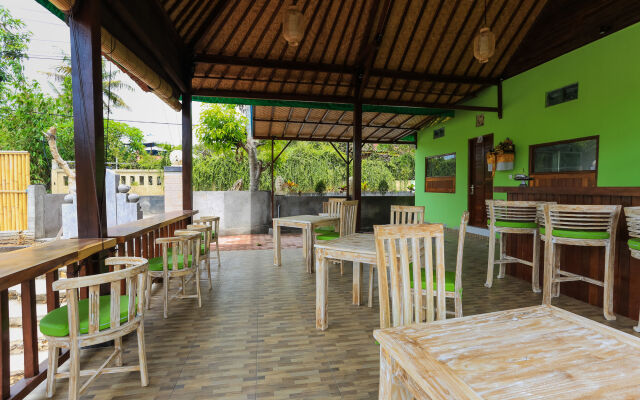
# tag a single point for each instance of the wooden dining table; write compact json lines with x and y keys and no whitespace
{"x":359,"y":248}
{"x":540,"y":352}
{"x":308,"y":224}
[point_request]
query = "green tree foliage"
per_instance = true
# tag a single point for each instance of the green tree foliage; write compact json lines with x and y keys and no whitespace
{"x":14,"y":41}
{"x":305,"y":163}
{"x":26,"y":112}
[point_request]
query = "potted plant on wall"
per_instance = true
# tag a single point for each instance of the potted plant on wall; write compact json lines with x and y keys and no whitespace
{"x":501,"y":157}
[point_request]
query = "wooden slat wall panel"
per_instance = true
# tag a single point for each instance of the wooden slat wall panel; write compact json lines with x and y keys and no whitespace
{"x":587,"y":261}
{"x":14,"y":179}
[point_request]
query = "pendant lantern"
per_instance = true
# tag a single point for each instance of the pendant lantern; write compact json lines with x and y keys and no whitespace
{"x":292,"y":25}
{"x":484,"y":44}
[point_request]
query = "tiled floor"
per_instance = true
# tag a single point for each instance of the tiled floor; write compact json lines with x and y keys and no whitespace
{"x":255,"y":336}
{"x":259,"y":242}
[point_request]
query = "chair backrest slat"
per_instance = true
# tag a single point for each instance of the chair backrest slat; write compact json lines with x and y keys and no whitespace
{"x":402,"y":215}
{"x":462,"y":231}
{"x":94,"y":308}
{"x":519,"y":211}
{"x":114,"y":318}
{"x":632,"y":215}
{"x":334,"y":205}
{"x":402,"y":307}
{"x":583,"y":217}
{"x":348,"y":217}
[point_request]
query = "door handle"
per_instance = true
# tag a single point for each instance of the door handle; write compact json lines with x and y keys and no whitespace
{"x":471,"y":189}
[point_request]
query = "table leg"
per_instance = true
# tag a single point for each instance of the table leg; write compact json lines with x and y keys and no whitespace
{"x":357,"y":283}
{"x":322,"y":289}
{"x":390,"y":386}
{"x":309,"y":248}
{"x":277,"y":260}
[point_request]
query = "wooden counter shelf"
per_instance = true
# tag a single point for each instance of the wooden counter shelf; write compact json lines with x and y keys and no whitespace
{"x":137,"y":238}
{"x":581,"y":260}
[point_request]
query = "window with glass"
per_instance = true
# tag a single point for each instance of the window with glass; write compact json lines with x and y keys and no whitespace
{"x":141,"y":180}
{"x":442,"y":165}
{"x":440,"y":173}
{"x":577,"y":155}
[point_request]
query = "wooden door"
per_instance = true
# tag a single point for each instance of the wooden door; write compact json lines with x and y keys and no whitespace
{"x":480,"y":180}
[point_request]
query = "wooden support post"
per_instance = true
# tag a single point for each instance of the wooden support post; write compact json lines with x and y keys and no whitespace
{"x":273,"y":197}
{"x":5,"y":371}
{"x":187,"y":189}
{"x":86,"y":73}
{"x":29,"y":328}
{"x":357,"y":158}
{"x":500,"y":99}
{"x":348,"y":164}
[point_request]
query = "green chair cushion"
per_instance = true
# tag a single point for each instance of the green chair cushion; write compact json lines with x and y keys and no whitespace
{"x":634,"y":244}
{"x":56,"y":323}
{"x":324,"y":229}
{"x":576,"y":234}
{"x":155,"y":264}
{"x":449,"y":279}
{"x":328,"y":236}
{"x":202,"y":249}
{"x":515,"y":224}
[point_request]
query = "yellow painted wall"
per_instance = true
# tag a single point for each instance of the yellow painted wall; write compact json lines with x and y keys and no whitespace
{"x":144,"y":182}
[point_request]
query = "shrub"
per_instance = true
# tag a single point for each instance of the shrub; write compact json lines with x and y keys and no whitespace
{"x":383,"y":186}
{"x":321,"y":187}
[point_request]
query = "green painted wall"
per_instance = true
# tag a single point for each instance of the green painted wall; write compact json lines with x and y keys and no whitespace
{"x":608,"y":105}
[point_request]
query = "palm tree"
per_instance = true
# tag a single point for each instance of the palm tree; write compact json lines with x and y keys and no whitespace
{"x":111,"y":85}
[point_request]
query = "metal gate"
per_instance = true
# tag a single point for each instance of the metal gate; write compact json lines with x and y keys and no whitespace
{"x":14,"y":179}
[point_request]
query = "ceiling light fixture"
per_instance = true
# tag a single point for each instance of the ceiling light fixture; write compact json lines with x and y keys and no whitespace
{"x":292,"y":25}
{"x":484,"y":44}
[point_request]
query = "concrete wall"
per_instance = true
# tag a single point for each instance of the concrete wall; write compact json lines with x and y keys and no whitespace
{"x":151,"y":205}
{"x":375,"y":207}
{"x":52,"y":214}
{"x":172,"y":189}
{"x":240,"y":212}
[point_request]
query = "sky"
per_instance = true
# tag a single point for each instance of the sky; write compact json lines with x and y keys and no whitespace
{"x":50,"y":43}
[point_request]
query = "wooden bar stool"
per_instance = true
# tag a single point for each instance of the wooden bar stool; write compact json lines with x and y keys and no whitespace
{"x":181,"y":248}
{"x":96,"y":320}
{"x":633,"y":223}
{"x":206,"y":232}
{"x":214,"y":223}
{"x":580,"y":225}
{"x":518,"y":217}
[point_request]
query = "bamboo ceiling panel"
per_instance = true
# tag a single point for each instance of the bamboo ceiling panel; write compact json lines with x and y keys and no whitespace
{"x":297,"y":123}
{"x":390,"y":45}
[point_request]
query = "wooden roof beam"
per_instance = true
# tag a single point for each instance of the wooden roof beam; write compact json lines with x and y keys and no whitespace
{"x":334,"y":99}
{"x":148,"y":23}
{"x":336,"y":68}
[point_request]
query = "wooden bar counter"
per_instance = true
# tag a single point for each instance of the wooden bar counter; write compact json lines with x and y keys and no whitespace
{"x":587,"y":261}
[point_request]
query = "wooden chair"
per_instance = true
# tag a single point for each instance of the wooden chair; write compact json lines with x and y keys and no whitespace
{"x":181,"y":248}
{"x":96,"y":320}
{"x":633,"y":224}
{"x":579,"y":225}
{"x":206,"y":232}
{"x":348,"y":217}
{"x":332,"y":209}
{"x":402,"y":215}
{"x":517,"y":217}
{"x":396,"y":247}
{"x":214,"y":223}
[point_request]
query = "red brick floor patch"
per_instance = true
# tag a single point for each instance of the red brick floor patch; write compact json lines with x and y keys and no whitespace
{"x":258,"y":242}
